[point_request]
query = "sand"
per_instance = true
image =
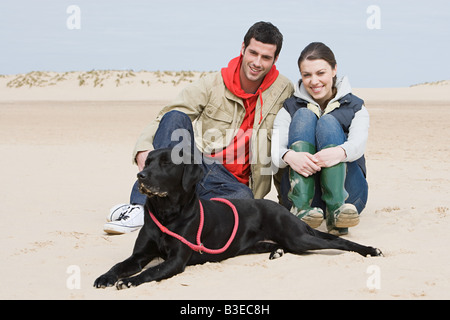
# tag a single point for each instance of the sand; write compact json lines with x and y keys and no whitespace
{"x":66,"y":159}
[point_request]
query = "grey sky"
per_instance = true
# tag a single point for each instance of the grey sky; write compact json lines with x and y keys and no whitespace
{"x":411,"y":46}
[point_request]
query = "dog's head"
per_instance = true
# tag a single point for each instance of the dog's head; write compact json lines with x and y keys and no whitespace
{"x":162,"y":177}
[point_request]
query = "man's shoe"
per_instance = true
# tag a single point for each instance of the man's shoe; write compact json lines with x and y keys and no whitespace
{"x":116,"y":212}
{"x":127,"y":219}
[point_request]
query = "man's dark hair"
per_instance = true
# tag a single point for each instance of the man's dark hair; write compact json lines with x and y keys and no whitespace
{"x":265,"y":32}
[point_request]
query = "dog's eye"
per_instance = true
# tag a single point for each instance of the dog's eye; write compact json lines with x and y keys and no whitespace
{"x":166,"y":161}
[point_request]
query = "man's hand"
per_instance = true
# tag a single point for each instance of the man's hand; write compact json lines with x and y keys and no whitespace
{"x":140,"y":159}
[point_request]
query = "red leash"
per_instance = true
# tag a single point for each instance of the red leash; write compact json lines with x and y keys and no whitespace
{"x":199,"y":246}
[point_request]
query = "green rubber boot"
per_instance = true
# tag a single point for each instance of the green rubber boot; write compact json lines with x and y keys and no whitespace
{"x":302,"y":191}
{"x":340,"y":215}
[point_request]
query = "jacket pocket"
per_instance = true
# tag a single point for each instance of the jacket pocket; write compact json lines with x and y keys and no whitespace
{"x":216,"y":128}
{"x":213,"y":114}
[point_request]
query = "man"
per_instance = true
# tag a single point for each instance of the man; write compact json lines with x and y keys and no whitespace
{"x":227,"y":118}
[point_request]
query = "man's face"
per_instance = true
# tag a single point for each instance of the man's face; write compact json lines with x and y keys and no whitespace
{"x":258,"y":59}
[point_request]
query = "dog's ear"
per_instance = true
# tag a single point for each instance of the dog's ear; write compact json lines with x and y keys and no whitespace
{"x":192,"y":174}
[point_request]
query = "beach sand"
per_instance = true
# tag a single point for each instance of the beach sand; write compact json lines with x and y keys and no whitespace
{"x":66,"y":159}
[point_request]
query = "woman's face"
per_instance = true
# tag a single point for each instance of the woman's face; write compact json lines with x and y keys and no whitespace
{"x":317,"y":76}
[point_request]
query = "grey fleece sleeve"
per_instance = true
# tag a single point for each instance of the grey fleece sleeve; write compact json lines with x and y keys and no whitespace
{"x":355,"y":146}
{"x":280,"y":137}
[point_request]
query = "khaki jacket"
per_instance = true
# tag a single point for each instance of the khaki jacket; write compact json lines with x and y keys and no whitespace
{"x":217,"y":114}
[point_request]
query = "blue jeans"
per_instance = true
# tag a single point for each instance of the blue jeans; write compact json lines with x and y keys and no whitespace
{"x":175,"y":130}
{"x":322,"y":132}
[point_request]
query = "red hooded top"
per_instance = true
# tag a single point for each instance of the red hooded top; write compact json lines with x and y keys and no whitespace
{"x":236,"y":156}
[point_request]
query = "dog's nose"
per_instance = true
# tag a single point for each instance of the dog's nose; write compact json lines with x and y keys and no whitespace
{"x":141,"y":175}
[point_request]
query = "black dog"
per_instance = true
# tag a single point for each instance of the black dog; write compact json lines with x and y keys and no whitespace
{"x":172,"y":199}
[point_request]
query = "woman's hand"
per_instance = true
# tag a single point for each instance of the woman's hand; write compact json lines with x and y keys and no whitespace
{"x":329,"y":157}
{"x":308,"y":164}
{"x":302,"y":162}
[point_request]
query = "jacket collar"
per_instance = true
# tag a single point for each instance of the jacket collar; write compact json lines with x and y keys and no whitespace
{"x":342,"y":85}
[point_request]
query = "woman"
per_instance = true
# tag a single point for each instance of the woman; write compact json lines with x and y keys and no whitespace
{"x":322,"y":133}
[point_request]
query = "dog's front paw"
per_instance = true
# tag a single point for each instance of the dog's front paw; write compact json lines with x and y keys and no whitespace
{"x":106,"y":280}
{"x":127,"y":283}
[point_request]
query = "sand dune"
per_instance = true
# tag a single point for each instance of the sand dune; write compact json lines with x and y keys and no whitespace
{"x":96,"y":85}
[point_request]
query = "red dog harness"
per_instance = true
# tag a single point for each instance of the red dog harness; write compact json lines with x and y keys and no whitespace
{"x":199,"y":246}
